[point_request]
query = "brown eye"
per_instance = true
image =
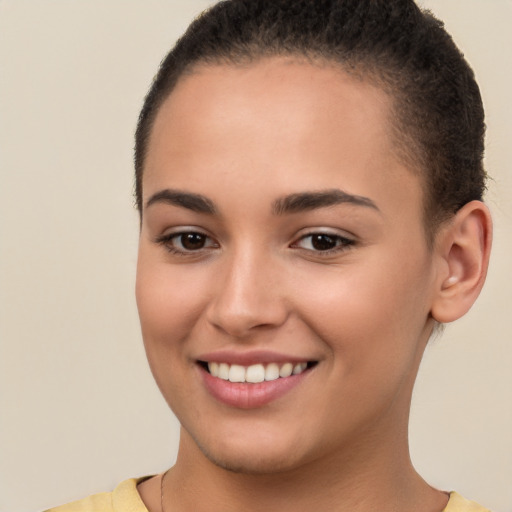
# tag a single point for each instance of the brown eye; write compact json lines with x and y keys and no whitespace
{"x":322,"y":242}
{"x":187,"y":242}
{"x":192,"y":241}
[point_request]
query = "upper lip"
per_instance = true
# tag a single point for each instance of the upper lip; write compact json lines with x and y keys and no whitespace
{"x":247,"y":358}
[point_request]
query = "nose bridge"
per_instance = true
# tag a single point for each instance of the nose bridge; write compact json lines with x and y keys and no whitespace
{"x":248,"y":293}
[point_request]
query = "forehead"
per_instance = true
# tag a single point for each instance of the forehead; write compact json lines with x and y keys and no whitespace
{"x":290,"y":123}
{"x":274,"y":94}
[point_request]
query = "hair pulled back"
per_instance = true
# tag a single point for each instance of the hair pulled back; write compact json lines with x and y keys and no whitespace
{"x":437,"y":119}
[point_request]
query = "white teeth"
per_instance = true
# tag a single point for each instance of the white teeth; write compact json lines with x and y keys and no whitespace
{"x":213,"y":368}
{"x":255,"y":373}
{"x":223,"y":371}
{"x":299,"y":368}
{"x":286,"y":370}
{"x":236,"y":373}
{"x":272,"y":372}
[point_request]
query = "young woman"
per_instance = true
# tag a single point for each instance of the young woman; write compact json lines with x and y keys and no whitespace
{"x":309,"y":180}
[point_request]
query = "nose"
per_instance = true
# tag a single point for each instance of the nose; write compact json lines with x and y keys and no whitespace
{"x":249,"y":295}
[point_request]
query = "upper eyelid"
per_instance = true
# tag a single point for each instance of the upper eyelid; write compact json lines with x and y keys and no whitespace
{"x":181,"y":230}
{"x":166,"y":238}
{"x":325,"y":231}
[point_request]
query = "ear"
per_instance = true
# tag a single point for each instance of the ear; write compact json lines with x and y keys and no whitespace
{"x":463,"y":247}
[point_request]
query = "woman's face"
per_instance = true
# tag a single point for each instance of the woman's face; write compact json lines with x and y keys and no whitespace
{"x":280,"y":233}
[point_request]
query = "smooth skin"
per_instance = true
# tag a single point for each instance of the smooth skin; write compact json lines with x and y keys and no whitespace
{"x":351,"y":285}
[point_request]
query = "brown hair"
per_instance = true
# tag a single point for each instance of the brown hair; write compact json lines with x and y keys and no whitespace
{"x":438,"y":117}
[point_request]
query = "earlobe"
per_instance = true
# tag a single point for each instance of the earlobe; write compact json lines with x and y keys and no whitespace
{"x":463,"y":253}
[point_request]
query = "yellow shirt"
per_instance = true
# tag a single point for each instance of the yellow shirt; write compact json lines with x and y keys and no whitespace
{"x":125,"y":498}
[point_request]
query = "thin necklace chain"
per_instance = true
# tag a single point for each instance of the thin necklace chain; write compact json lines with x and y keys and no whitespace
{"x":162,"y":491}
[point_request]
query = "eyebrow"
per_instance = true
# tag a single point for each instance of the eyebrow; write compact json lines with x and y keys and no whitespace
{"x":305,"y":201}
{"x":195,"y":202}
{"x":293,"y":203}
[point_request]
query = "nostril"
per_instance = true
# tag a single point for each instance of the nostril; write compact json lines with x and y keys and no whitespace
{"x":242,"y":323}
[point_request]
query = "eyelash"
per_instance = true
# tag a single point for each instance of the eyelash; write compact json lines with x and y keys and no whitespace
{"x":342,"y":243}
{"x":167,"y":242}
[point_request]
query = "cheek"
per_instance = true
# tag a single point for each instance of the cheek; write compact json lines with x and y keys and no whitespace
{"x":169,"y":304}
{"x":369,"y":314}
{"x":169,"y":301}
{"x":374,"y":326}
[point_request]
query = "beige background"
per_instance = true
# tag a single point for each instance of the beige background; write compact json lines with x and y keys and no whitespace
{"x":78,"y":408}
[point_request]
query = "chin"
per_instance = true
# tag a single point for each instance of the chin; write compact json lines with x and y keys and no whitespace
{"x":250,"y":465}
{"x":257,"y":457}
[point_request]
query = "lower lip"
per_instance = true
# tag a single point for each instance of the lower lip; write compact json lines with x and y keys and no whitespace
{"x":247,"y":395}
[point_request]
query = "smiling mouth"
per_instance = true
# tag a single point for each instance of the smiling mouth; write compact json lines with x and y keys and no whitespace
{"x":256,"y":373}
